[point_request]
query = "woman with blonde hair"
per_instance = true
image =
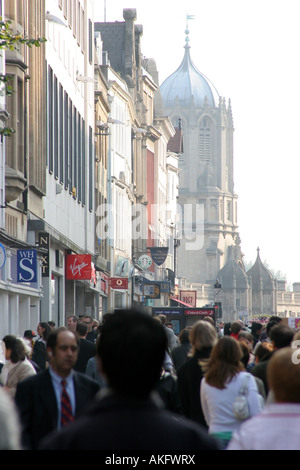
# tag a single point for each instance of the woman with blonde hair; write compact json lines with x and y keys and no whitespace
{"x":203,"y":337}
{"x":224,"y":379}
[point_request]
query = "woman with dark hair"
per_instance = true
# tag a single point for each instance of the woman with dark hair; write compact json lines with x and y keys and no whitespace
{"x":223,"y":381}
{"x":17,"y":366}
{"x":39,"y":355}
{"x":203,"y":337}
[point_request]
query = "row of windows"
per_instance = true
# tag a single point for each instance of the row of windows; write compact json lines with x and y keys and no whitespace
{"x":75,"y":16}
{"x":67,"y":133}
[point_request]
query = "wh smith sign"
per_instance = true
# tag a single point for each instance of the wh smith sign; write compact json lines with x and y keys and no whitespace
{"x":27,"y":266}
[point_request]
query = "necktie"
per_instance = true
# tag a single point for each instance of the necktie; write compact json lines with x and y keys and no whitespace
{"x":66,"y":409}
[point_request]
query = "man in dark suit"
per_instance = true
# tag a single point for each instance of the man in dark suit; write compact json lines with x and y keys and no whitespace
{"x":130,"y":352}
{"x":39,"y":400}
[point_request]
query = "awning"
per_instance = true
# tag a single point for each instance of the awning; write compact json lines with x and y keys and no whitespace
{"x":182,"y":303}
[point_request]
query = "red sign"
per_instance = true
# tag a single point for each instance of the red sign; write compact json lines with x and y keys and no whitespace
{"x":199,"y":311}
{"x":119,"y":283}
{"x":104,"y":283}
{"x":79,"y":267}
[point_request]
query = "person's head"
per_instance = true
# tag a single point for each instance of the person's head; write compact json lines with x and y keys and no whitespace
{"x":246,"y":338}
{"x":235,"y":327}
{"x":227,"y":330}
{"x":209,"y":319}
{"x":225,"y":362}
{"x":88,"y":320}
{"x":15,"y":349}
{"x":28,"y":336}
{"x":281,"y":336}
{"x":81,"y":330}
{"x":261,"y":350}
{"x":184,"y":336}
{"x":245,"y":353}
{"x":52,"y":325}
{"x":130,"y":352}
{"x":62,"y":350}
{"x":105,"y":317}
{"x":269,"y":327}
{"x":275,"y":319}
{"x":256,"y":328}
{"x":71,"y":322}
{"x":169,"y":325}
{"x":202,"y":335}
{"x":283,"y":375}
{"x":43,"y":330}
{"x":162,"y":318}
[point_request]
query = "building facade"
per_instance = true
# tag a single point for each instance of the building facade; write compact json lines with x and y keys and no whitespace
{"x":22,"y":161}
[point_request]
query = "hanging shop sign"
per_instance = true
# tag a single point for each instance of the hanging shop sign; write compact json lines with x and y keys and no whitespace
{"x":104,"y":281}
{"x":159,"y":254}
{"x":151,"y":291}
{"x":79,"y":267}
{"x":189,"y":297}
{"x":119,"y":283}
{"x":2,"y":256}
{"x":122,"y":267}
{"x":144,"y":261}
{"x":165,"y":287}
{"x":44,"y":243}
{"x":26,"y":266}
{"x":93,"y":275}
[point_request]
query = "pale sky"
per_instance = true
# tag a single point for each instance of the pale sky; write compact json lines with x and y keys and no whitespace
{"x":250,"y":51}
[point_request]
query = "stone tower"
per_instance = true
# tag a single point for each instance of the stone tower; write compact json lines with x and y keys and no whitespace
{"x":207,"y":201}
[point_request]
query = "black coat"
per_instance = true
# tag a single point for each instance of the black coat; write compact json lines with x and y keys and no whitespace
{"x":180,"y":355}
{"x":260,"y":369}
{"x":36,"y":401}
{"x":189,"y":377}
{"x":87,"y":349}
{"x":39,"y":354}
{"x":116,"y":423}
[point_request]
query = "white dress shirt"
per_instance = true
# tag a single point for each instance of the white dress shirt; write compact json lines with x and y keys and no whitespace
{"x":277,"y":427}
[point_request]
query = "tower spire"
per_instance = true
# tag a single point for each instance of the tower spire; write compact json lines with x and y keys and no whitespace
{"x":187,"y":32}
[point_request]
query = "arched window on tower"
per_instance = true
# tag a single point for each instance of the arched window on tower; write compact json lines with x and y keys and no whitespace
{"x":204,"y":140}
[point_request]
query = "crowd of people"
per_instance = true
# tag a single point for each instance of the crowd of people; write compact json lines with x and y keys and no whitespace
{"x":130,"y":383}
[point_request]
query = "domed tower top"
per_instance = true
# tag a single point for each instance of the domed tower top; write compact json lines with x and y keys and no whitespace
{"x":188,"y":83}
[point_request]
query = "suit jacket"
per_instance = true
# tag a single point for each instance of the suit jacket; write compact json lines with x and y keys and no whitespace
{"x":37,"y":405}
{"x":87,"y":349}
{"x":115,"y":422}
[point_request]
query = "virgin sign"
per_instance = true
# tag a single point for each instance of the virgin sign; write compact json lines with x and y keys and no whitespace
{"x":79,"y":267}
